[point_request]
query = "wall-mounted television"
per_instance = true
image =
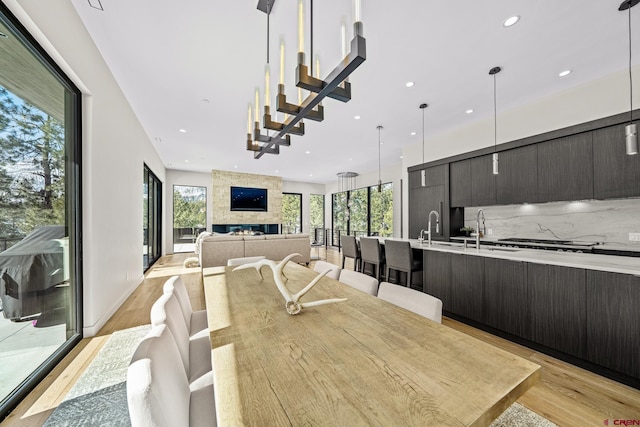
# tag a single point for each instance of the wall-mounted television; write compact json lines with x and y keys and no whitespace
{"x":248,"y":199}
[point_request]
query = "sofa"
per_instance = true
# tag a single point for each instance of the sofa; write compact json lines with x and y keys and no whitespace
{"x":214,"y":250}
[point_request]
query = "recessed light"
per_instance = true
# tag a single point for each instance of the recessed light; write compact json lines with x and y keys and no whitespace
{"x":182,"y":130}
{"x":235,"y":166}
{"x":402,"y":157}
{"x":4,"y":36}
{"x":381,"y":143}
{"x":413,"y":134}
{"x":205,"y":100}
{"x":469,"y":111}
{"x":276,"y":170}
{"x":186,"y":161}
{"x":307,"y":152}
{"x":310,"y":174}
{"x":511,"y":21}
{"x":410,"y":84}
{"x":356,"y":117}
{"x":564,"y":73}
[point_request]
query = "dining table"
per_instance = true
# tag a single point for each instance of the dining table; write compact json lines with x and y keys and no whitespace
{"x":358,"y":362}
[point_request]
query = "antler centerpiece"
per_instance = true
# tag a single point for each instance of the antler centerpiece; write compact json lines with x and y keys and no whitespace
{"x":292,"y":301}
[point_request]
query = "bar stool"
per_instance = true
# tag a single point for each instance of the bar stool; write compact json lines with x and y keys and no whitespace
{"x":399,"y":257}
{"x":350,"y":249}
{"x":372,"y":254}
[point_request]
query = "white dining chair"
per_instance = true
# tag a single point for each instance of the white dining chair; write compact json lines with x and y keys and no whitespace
{"x":359,"y":281}
{"x":322,"y":266}
{"x":418,"y":302}
{"x":196,"y":321}
{"x":244,"y":260}
{"x":158,"y":391}
{"x":195,"y":353}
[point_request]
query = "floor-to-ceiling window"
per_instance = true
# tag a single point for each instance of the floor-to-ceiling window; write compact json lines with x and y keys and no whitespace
{"x":316,"y":217}
{"x":40,"y":276}
{"x":189,"y":216}
{"x":363,"y":212}
{"x":291,"y":213}
{"x":381,"y":210}
{"x":151,"y":218}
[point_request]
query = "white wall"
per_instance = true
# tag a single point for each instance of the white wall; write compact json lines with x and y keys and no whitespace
{"x":115,"y":148}
{"x":601,"y":98}
{"x":177,"y":177}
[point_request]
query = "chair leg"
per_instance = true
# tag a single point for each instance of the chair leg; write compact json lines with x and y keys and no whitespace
{"x":343,"y":258}
{"x":387,"y":274}
{"x":409,"y":278}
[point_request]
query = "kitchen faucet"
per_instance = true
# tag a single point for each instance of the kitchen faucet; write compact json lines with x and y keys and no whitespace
{"x":484,"y":230}
{"x":429,"y":224}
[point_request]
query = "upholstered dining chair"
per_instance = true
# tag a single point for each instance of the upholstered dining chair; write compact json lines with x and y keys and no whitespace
{"x":359,"y":281}
{"x":322,"y":266}
{"x":350,"y":249}
{"x":418,"y":302}
{"x":196,"y":321}
{"x":158,"y":391}
{"x":399,"y":257}
{"x":195,"y":353}
{"x":372,"y":254}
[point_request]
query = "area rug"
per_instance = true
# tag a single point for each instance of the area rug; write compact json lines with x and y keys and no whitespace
{"x":99,"y":398}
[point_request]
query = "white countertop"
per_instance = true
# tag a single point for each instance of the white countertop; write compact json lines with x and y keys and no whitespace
{"x":610,"y":263}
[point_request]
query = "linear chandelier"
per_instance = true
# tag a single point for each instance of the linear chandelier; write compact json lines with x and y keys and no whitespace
{"x":336,"y":86}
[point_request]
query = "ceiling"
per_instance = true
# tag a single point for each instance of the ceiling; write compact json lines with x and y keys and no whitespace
{"x":195,"y":66}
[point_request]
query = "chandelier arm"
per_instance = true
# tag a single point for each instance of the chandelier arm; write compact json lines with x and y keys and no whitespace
{"x":356,"y":56}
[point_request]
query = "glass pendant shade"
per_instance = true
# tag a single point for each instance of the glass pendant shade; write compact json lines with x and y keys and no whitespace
{"x":496,"y":170}
{"x":631,"y":131}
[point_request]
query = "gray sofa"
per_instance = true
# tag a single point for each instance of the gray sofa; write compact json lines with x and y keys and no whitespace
{"x":215,"y":250}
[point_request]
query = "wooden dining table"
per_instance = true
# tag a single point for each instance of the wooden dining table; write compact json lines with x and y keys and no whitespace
{"x":360,"y":362}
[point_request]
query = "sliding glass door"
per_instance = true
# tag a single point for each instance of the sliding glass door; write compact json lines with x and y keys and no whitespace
{"x":151,"y":218}
{"x":40,"y":275}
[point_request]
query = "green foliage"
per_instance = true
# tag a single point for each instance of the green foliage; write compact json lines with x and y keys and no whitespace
{"x":316,"y":211}
{"x":32,"y":162}
{"x":292,"y":213}
{"x":379,"y":212}
{"x":189,"y":210}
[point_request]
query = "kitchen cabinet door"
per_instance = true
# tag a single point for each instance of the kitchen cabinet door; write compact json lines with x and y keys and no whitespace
{"x":613,"y":321}
{"x":422,"y":201}
{"x":558,"y":307}
{"x":415,"y":179}
{"x":565,"y":168}
{"x":460,"y":183}
{"x":467,"y":282}
{"x":615,"y":174}
{"x":436,"y":276}
{"x":483,"y":181}
{"x":517,"y":181}
{"x":506,"y":306}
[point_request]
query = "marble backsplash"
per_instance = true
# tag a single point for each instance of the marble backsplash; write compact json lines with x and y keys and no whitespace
{"x":605,"y":221}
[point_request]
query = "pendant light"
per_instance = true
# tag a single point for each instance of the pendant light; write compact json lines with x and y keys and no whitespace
{"x":423,"y":172}
{"x":496,"y":169}
{"x":631,"y":130}
{"x":379,"y":144}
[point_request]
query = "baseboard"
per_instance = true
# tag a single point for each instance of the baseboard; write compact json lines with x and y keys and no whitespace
{"x":90,"y":331}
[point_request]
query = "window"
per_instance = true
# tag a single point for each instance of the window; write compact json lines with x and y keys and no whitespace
{"x":291,"y":213}
{"x":189,"y":216}
{"x":363,"y":212}
{"x":40,"y":278}
{"x":151,"y":218}
{"x":316,"y":217}
{"x":381,"y":210}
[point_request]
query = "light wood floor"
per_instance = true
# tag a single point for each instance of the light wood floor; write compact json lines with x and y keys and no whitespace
{"x":566,"y":395}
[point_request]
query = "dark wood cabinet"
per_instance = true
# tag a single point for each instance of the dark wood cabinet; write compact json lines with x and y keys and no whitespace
{"x":422,"y":201}
{"x":483,"y":182}
{"x":565,"y":168}
{"x":436,"y":276}
{"x":615,"y":174}
{"x":460,"y":179}
{"x":517,"y":181}
{"x":558,"y":307}
{"x":467,"y":282}
{"x":613,"y":321}
{"x":415,"y":179}
{"x":506,"y":306}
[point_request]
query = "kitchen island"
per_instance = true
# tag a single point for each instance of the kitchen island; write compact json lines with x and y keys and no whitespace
{"x":582,"y":308}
